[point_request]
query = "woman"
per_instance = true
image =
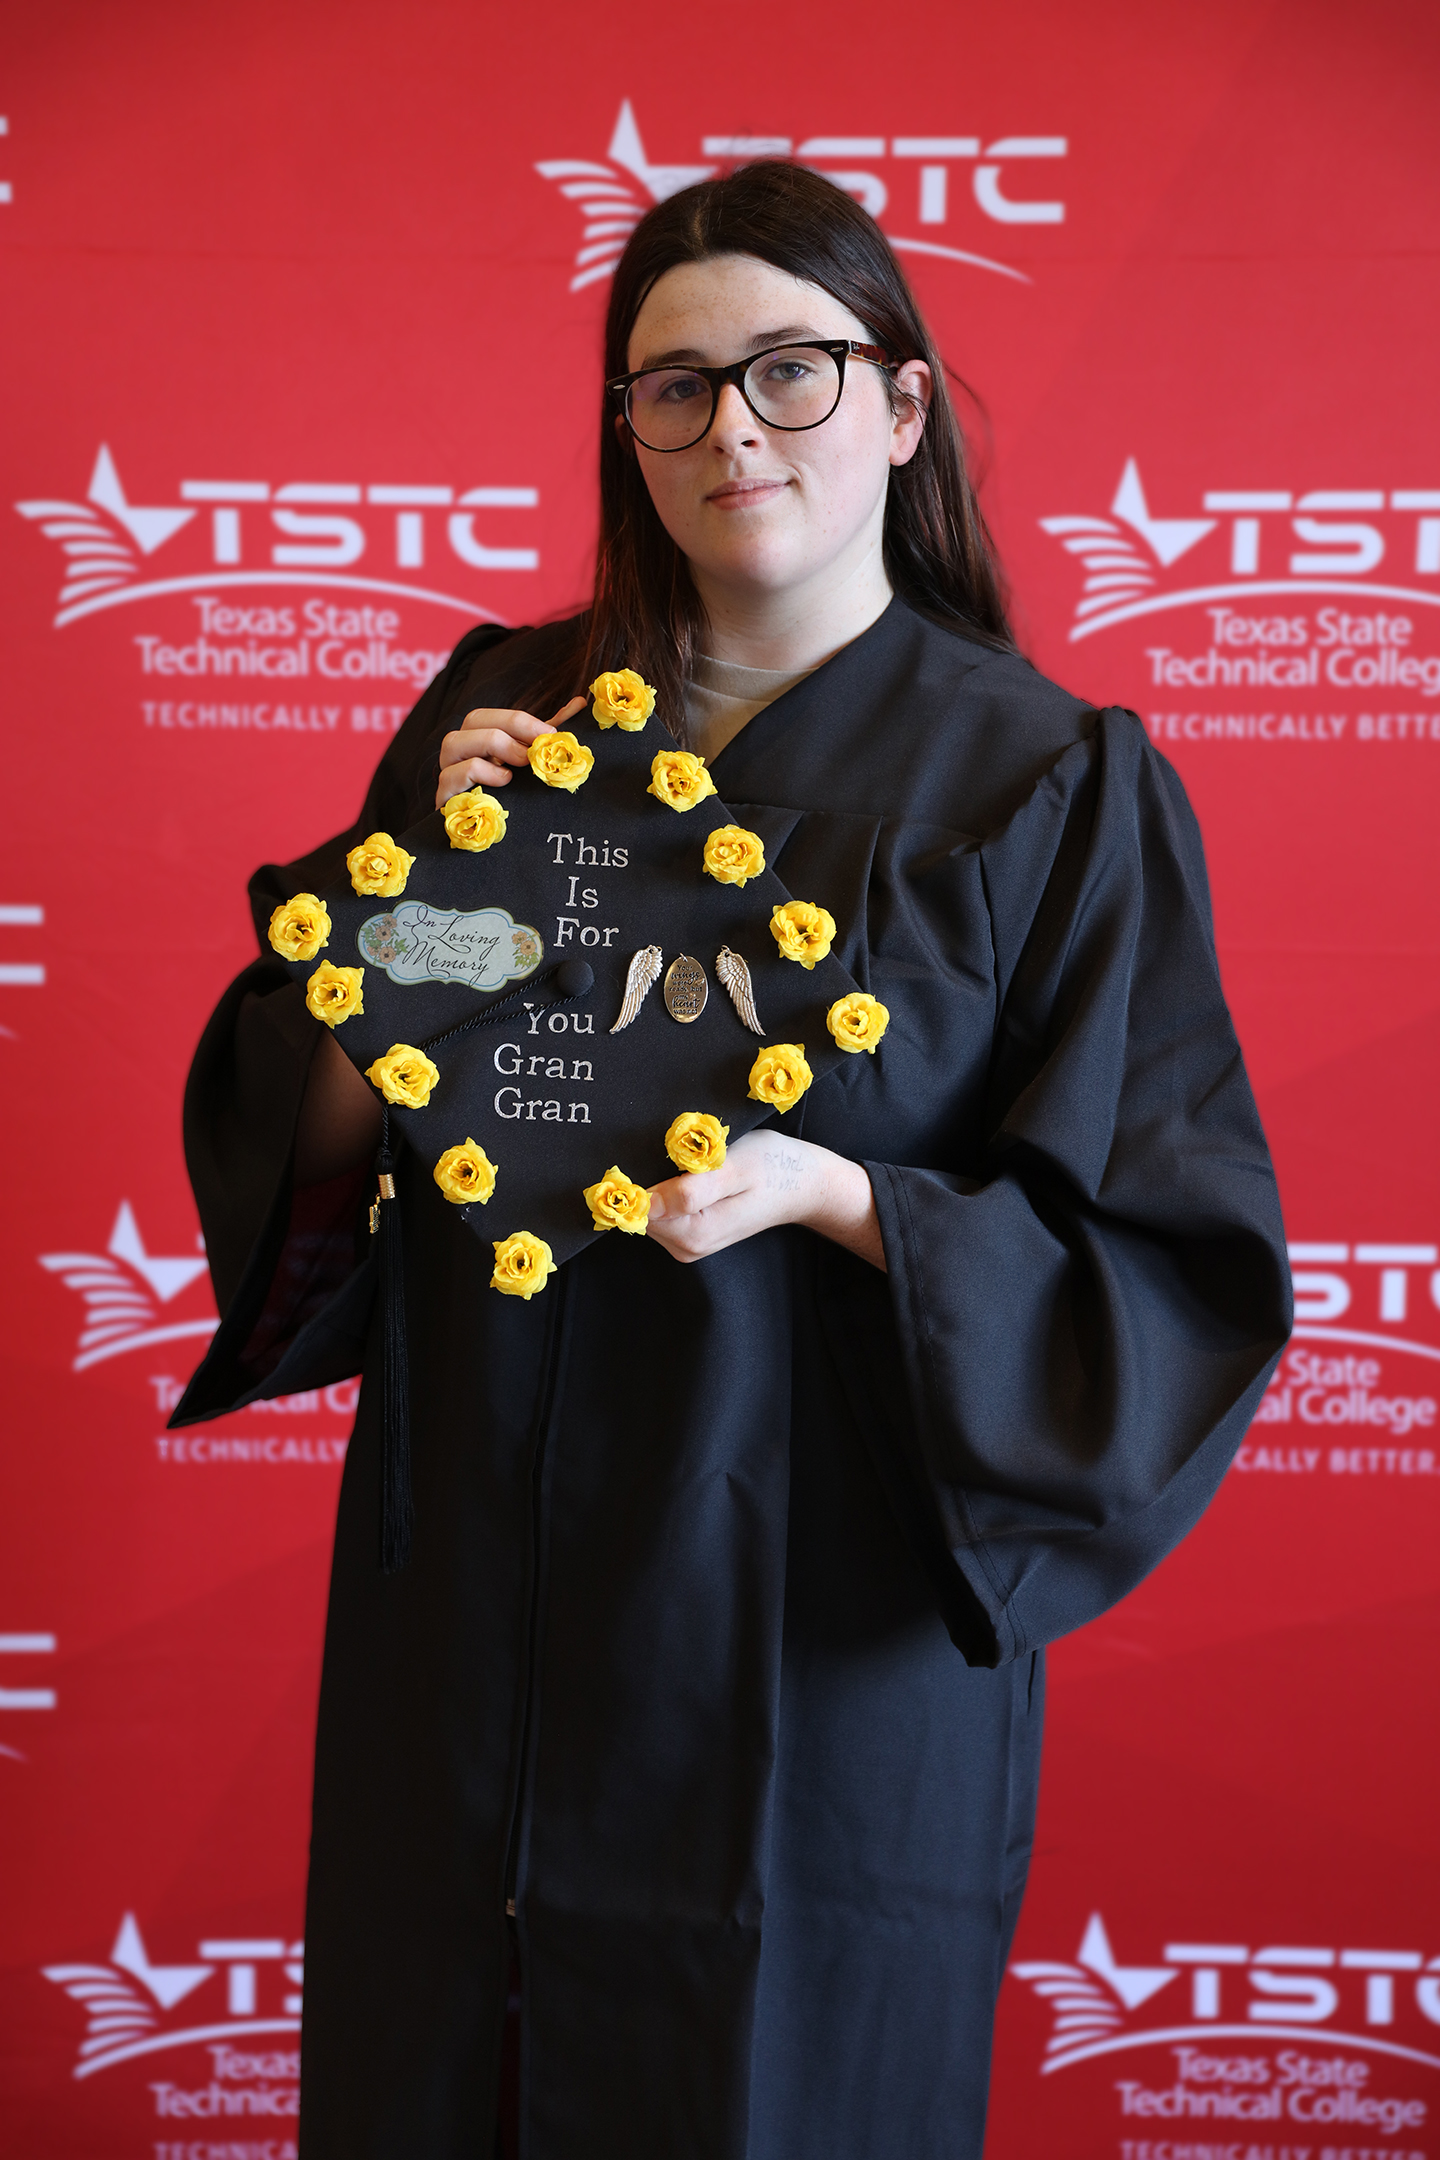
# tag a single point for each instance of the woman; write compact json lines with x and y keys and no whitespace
{"x":717,"y":1665}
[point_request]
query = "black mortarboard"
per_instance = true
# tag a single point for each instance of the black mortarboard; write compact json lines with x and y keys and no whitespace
{"x":532,"y":942}
{"x":509,"y":968}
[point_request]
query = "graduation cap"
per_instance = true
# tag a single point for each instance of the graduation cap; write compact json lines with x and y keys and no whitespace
{"x":564,"y":994}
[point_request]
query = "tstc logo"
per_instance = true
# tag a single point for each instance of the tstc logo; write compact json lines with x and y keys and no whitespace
{"x":612,"y":196}
{"x":1213,"y":1991}
{"x":1339,"y":1407}
{"x":125,"y":1290}
{"x":1393,"y":1283}
{"x":302,"y":532}
{"x":1272,"y":542}
{"x":242,"y":1987}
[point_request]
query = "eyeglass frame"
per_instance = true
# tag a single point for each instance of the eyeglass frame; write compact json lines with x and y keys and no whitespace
{"x":839,"y":349}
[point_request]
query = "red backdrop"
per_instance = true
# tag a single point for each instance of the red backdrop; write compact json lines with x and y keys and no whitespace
{"x":277,"y":280}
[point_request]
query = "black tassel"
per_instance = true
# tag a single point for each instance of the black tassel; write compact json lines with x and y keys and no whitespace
{"x":397,"y":1512}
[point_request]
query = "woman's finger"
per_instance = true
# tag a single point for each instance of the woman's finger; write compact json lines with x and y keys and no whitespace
{"x":490,"y":731}
{"x":692,"y":1192}
{"x":491,"y":739}
{"x":473,"y":772}
{"x":694,"y":1237}
{"x":506,"y":720}
{"x":491,"y":742}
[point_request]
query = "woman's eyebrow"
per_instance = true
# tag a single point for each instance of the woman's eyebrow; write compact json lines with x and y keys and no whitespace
{"x":790,"y":334}
{"x":691,"y":356}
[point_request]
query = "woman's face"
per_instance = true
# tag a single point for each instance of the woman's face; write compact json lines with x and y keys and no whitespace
{"x":756,"y":510}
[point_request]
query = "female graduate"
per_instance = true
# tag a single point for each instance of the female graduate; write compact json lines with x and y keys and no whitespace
{"x":714,"y":1678}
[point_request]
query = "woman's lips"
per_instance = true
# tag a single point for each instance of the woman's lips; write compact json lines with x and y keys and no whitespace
{"x":744,"y":494}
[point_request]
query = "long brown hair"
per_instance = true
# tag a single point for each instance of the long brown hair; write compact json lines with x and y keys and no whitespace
{"x":646,"y":612}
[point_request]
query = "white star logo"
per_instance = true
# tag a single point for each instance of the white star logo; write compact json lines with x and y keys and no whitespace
{"x":166,"y":1277}
{"x":1134,"y":1984}
{"x":123,"y":1289}
{"x":120,"y":2021}
{"x":169,"y":1984}
{"x":608,"y":201}
{"x":1116,"y":570}
{"x":1084,"y":2012}
{"x":149,"y":529}
{"x":99,"y":549}
{"x":1169,"y":537}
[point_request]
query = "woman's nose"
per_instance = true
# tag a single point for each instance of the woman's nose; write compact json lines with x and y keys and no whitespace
{"x":734,"y":424}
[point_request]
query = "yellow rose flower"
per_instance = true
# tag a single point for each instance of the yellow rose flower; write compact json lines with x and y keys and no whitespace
{"x":803,"y":931}
{"x":733,"y":855}
{"x":624,"y":699}
{"x":300,"y":927}
{"x":561,"y":761}
{"x":475,"y":820}
{"x":465,"y":1173}
{"x":696,"y":1141}
{"x":379,"y":865}
{"x":780,"y":1076}
{"x":404,"y":1076}
{"x":523,"y":1264}
{"x":618,"y":1203}
{"x":334,"y":993}
{"x":679,"y":778}
{"x":857,"y":1022}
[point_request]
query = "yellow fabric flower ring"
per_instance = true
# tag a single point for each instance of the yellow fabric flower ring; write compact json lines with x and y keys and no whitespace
{"x":404,"y":1076}
{"x":733,"y":855}
{"x":465,"y":1173}
{"x":379,"y":866}
{"x":696,"y":1141}
{"x":803,"y":931}
{"x":474,"y":820}
{"x":780,"y":1076}
{"x":623,"y":699}
{"x":524,"y":1264}
{"x":618,"y":1203}
{"x":679,"y":778}
{"x":561,"y":760}
{"x":300,"y":927}
{"x":857,"y":1022}
{"x":334,"y":993}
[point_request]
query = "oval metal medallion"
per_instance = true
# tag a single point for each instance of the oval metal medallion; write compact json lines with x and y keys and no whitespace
{"x":686,"y":989}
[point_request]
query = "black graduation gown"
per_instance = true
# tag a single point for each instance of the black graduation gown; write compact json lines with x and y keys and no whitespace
{"x":719,"y":1651}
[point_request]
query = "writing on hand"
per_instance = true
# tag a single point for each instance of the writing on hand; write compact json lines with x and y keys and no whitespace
{"x":782,"y":1170}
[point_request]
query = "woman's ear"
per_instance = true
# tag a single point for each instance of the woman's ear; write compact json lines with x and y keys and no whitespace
{"x":913,"y":381}
{"x":623,"y":434}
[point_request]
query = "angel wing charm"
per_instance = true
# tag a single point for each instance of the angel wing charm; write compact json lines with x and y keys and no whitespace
{"x":733,"y":972}
{"x":644,"y":973}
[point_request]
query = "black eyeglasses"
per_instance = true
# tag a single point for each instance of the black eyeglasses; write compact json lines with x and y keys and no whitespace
{"x":794,"y":387}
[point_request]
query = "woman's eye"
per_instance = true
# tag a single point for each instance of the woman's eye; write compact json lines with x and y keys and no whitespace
{"x":787,"y":371}
{"x":680,"y":389}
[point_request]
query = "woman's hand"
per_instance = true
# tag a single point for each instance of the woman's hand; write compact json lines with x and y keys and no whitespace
{"x":765,"y":1179}
{"x":480,"y":752}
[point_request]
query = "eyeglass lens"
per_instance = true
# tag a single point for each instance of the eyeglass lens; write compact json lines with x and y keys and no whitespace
{"x":796,"y":387}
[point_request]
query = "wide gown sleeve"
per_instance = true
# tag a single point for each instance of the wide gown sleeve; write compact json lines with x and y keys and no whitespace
{"x":1086,"y":1325}
{"x":292,"y":1274}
